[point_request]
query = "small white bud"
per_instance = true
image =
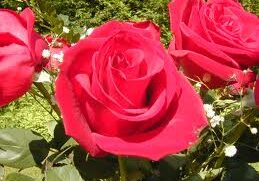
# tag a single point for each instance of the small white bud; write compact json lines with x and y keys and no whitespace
{"x":19,"y":8}
{"x":254,"y":130}
{"x":207,"y":107}
{"x":216,"y":120}
{"x":59,"y":57}
{"x":65,"y":29}
{"x":42,"y":77}
{"x":89,"y":31}
{"x":230,"y":151}
{"x":82,"y":36}
{"x":46,"y":53}
{"x":210,"y":113}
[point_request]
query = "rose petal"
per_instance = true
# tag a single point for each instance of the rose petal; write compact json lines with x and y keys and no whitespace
{"x":142,"y":145}
{"x":74,"y":120}
{"x":16,"y":72}
{"x":179,"y":12}
{"x":146,"y":29}
{"x":12,"y":23}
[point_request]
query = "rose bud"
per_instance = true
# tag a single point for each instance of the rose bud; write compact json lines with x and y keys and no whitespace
{"x":20,"y":53}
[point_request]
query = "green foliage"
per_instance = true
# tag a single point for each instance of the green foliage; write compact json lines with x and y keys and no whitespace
{"x":77,"y":14}
{"x":239,"y":171}
{"x":92,"y":13}
{"x":65,"y":173}
{"x":17,"y":177}
{"x":20,"y":148}
{"x":26,"y":113}
{"x":251,"y":5}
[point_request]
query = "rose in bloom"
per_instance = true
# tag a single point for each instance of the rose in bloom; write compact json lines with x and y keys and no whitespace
{"x":20,"y":53}
{"x":215,"y":41}
{"x":120,"y":93}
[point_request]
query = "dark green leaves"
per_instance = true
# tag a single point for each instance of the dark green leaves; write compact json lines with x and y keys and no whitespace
{"x":20,"y":148}
{"x":170,"y":167}
{"x":65,"y":173}
{"x":94,"y":168}
{"x":238,"y":170}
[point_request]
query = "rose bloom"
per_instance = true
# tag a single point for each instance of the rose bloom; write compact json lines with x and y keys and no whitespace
{"x":120,"y":93}
{"x":215,"y":41}
{"x":20,"y":53}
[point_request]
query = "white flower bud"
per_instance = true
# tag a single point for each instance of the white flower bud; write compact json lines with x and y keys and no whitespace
{"x":89,"y":31}
{"x":207,"y":107}
{"x":46,"y":53}
{"x":65,"y":29}
{"x":216,"y":120}
{"x":42,"y":77}
{"x":19,"y":8}
{"x":59,"y":57}
{"x":230,"y":151}
{"x":254,"y":130}
{"x":210,"y":113}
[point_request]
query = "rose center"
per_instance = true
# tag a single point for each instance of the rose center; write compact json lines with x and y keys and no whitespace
{"x":120,"y":61}
{"x":228,"y":24}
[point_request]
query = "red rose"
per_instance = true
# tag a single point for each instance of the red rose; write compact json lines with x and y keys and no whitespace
{"x":119,"y":92}
{"x":215,"y":41}
{"x":257,"y":92}
{"x":20,"y":53}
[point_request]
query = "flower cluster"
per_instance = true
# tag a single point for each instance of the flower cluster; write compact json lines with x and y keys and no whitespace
{"x":120,"y":91}
{"x":214,"y":119}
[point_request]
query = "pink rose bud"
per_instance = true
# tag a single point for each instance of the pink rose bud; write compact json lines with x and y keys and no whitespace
{"x":21,"y":53}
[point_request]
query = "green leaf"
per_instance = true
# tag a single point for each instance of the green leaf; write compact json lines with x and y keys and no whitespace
{"x":137,"y":168}
{"x":255,"y":166}
{"x":59,"y":136}
{"x":64,"y":18}
{"x":21,"y":148}
{"x":71,"y":142}
{"x":65,"y":173}
{"x":239,"y":171}
{"x":18,"y":177}
{"x":246,"y":146}
{"x":2,"y":172}
{"x":193,"y":178}
{"x":97,"y":168}
{"x":170,"y":167}
{"x":51,"y":127}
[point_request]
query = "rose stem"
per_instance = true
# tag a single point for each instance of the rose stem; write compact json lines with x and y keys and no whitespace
{"x":123,"y":172}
